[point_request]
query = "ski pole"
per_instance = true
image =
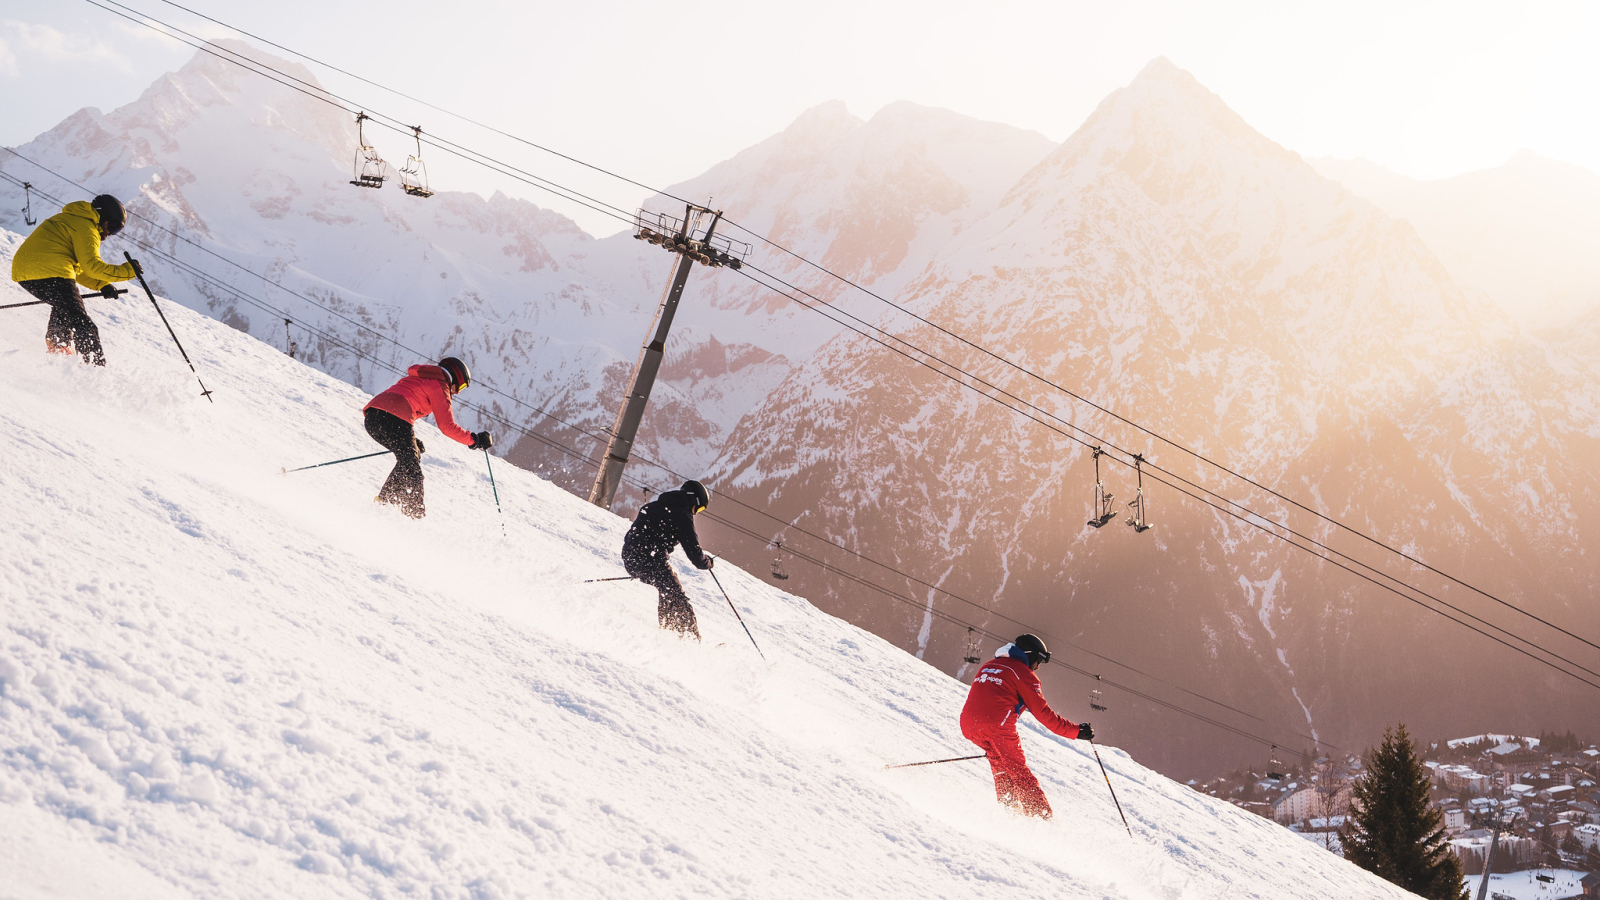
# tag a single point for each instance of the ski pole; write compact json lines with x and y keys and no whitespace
{"x":496,"y":493}
{"x":140,"y":272}
{"x":119,"y":292}
{"x":618,"y":578}
{"x":335,"y":462}
{"x":934,"y":762}
{"x":1109,"y":787}
{"x":736,"y":613}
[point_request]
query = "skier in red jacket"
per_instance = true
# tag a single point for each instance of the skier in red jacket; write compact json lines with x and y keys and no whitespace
{"x":1002,"y":689}
{"x":391,"y":418}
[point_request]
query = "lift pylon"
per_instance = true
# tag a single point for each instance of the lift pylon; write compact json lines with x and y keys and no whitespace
{"x":694,"y":239}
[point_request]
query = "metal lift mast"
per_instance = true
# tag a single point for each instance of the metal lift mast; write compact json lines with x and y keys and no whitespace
{"x":683,"y":238}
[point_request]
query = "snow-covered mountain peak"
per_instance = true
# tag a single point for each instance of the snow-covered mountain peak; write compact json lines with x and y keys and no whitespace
{"x":209,"y":87}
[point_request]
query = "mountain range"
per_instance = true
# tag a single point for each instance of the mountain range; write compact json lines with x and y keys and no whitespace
{"x":1166,"y":261}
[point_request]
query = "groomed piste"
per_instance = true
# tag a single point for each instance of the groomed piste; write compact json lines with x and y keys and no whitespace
{"x":217,"y":681}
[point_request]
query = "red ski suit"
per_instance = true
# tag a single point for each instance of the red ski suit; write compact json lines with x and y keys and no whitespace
{"x":424,"y":390}
{"x":1003,"y":688}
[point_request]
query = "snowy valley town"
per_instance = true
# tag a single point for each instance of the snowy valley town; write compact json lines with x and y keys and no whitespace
{"x":1140,"y":451}
{"x":1534,"y":802}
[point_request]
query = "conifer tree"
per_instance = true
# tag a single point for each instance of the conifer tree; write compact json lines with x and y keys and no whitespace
{"x":1392,"y":832}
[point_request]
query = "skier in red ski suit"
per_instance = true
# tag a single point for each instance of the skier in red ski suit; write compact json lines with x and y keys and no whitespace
{"x":1004,"y":686}
{"x":391,"y":417}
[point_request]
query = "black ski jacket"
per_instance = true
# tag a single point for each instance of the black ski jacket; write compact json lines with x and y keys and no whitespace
{"x":662,"y":524}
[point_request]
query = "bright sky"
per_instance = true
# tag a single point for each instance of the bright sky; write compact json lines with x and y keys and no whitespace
{"x":661,"y":91}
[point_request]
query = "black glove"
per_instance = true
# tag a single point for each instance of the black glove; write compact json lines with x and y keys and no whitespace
{"x":481,"y":441}
{"x":710,"y":561}
{"x":138,"y":270}
{"x":1085,"y":733}
{"x":109,"y":292}
{"x":420,"y":449}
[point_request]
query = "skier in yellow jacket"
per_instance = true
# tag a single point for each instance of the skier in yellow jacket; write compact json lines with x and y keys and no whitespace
{"x":63,"y":252}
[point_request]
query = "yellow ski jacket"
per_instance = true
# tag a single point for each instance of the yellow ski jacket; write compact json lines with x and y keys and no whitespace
{"x":67,"y":245}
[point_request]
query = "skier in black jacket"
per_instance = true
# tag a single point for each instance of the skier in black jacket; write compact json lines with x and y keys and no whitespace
{"x":662,"y":524}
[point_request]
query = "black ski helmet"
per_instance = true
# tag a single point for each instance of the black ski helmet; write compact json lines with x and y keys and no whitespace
{"x":1038,"y":653}
{"x":112,"y":215}
{"x":460,"y":375}
{"x":702,"y":497}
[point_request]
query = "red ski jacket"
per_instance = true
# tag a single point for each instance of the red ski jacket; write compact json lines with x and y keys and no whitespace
{"x":424,"y":390}
{"x":1002,"y":689}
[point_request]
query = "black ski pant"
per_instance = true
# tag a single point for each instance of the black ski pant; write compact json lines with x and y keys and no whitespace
{"x":70,"y":326}
{"x":672,"y":609}
{"x":404,"y":487}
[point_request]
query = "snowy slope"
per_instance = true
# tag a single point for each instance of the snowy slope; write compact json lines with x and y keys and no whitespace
{"x":217,"y":681}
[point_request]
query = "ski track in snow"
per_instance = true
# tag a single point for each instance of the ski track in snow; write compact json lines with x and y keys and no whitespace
{"x":218,"y":681}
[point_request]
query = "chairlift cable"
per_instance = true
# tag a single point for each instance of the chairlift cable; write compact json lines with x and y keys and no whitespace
{"x":469,"y":120}
{"x":1198,"y":487}
{"x":1251,"y":519}
{"x":1247,"y":516}
{"x":623,"y":215}
{"x":316,"y":92}
{"x":591,"y":461}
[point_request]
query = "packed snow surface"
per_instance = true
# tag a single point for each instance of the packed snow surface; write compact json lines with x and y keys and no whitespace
{"x":1527,"y":886}
{"x":219,"y":681}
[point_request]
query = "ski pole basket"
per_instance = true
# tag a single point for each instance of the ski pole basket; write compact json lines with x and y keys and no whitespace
{"x":370,"y":169}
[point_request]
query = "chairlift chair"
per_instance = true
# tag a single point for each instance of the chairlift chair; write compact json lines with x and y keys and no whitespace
{"x":970,"y":655}
{"x":1138,"y":522}
{"x":1275,"y":765}
{"x":1103,"y":511}
{"x":1097,"y":701}
{"x":414,"y":174}
{"x":27,"y":203}
{"x":777,"y":562}
{"x":370,"y":169}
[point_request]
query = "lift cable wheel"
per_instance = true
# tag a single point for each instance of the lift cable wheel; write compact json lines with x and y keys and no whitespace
{"x":370,"y":169}
{"x":414,"y":174}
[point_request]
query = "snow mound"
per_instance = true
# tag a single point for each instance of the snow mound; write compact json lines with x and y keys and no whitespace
{"x":219,"y":681}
